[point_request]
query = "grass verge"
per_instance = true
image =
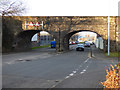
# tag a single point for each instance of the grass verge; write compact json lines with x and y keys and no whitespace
{"x":41,"y":47}
{"x":81,"y":42}
{"x":113,"y":54}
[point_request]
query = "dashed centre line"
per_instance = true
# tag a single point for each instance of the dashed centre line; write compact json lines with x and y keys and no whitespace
{"x":75,"y":71}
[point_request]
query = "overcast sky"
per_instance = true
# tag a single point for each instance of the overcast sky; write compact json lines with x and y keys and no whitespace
{"x":71,"y":7}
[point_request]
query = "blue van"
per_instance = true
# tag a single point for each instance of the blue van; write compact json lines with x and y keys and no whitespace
{"x":53,"y":44}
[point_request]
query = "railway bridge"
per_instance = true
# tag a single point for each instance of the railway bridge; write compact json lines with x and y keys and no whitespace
{"x":17,"y":33}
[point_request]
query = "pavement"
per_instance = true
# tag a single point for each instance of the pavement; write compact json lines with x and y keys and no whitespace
{"x":45,"y":68}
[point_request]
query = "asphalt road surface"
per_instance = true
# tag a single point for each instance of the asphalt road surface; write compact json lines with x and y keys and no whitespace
{"x":45,"y":68}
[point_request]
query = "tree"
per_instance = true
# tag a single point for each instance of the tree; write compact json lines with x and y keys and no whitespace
{"x":11,"y":8}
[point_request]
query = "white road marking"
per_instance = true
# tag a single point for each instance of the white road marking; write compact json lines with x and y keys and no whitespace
{"x":71,"y":74}
{"x":67,"y":77}
{"x":84,"y":70}
{"x":74,"y":71}
{"x":53,"y":86}
{"x":86,"y":60}
{"x":81,"y":72}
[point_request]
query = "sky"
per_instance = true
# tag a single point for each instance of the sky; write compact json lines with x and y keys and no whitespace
{"x":71,"y":7}
{"x":87,"y":33}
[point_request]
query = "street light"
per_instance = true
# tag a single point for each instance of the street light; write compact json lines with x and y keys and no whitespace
{"x":108,"y":36}
{"x":59,"y":40}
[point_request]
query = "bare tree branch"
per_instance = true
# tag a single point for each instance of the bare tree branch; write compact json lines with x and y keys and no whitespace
{"x":9,"y":8}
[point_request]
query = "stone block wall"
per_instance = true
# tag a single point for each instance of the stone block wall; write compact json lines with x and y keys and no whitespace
{"x":10,"y":28}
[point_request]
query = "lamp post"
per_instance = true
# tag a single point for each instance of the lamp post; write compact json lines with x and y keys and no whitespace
{"x":108,"y":36}
{"x":59,"y":40}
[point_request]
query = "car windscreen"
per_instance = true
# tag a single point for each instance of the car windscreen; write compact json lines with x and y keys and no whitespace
{"x":80,"y":45}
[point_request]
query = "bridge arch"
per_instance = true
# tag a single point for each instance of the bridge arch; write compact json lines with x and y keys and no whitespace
{"x":23,"y":39}
{"x":69,"y":34}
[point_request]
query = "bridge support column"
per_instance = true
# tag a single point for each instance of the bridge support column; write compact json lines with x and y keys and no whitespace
{"x":105,"y":45}
{"x":62,"y":43}
{"x":113,"y":46}
{"x":59,"y":46}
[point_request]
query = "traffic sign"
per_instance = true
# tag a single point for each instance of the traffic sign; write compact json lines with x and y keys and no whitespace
{"x":37,"y":24}
{"x":31,"y":24}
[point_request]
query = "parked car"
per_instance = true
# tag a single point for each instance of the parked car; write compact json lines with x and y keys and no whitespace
{"x":70,"y":43}
{"x":80,"y":47}
{"x":87,"y":44}
{"x":85,"y":41}
{"x":73,"y":42}
{"x":76,"y":42}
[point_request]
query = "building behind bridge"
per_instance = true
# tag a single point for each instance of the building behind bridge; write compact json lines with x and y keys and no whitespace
{"x":44,"y":39}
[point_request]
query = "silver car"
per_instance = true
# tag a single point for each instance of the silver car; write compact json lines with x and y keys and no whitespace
{"x":80,"y":47}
